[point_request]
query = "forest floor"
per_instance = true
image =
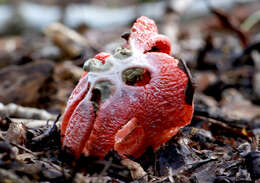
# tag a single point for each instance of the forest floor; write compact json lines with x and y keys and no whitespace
{"x":39,"y":71}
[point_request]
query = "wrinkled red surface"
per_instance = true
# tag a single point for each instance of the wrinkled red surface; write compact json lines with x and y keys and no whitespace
{"x":144,"y":37}
{"x":133,"y":117}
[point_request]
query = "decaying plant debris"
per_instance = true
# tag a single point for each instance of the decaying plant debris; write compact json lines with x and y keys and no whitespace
{"x":220,"y":145}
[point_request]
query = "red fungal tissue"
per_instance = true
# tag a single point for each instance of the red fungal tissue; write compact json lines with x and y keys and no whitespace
{"x":138,"y":97}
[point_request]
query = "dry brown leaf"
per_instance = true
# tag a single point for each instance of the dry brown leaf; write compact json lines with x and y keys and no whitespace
{"x":137,"y":172}
{"x":16,"y":133}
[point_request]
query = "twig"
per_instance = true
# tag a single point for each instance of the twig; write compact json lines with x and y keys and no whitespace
{"x":32,"y":123}
{"x":23,"y":148}
{"x":161,"y":179}
{"x":25,"y":112}
{"x":68,"y":40}
{"x":19,"y":146}
{"x":107,"y":165}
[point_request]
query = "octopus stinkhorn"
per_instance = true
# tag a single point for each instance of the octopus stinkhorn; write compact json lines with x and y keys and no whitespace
{"x":127,"y":101}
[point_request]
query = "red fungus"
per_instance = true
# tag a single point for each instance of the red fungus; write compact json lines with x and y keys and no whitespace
{"x":136,"y":98}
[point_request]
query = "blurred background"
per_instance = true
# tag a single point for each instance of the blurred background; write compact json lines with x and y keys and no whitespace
{"x":40,"y":62}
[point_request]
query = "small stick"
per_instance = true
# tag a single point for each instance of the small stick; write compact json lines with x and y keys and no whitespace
{"x":69,"y":41}
{"x":19,"y":146}
{"x":25,"y":112}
